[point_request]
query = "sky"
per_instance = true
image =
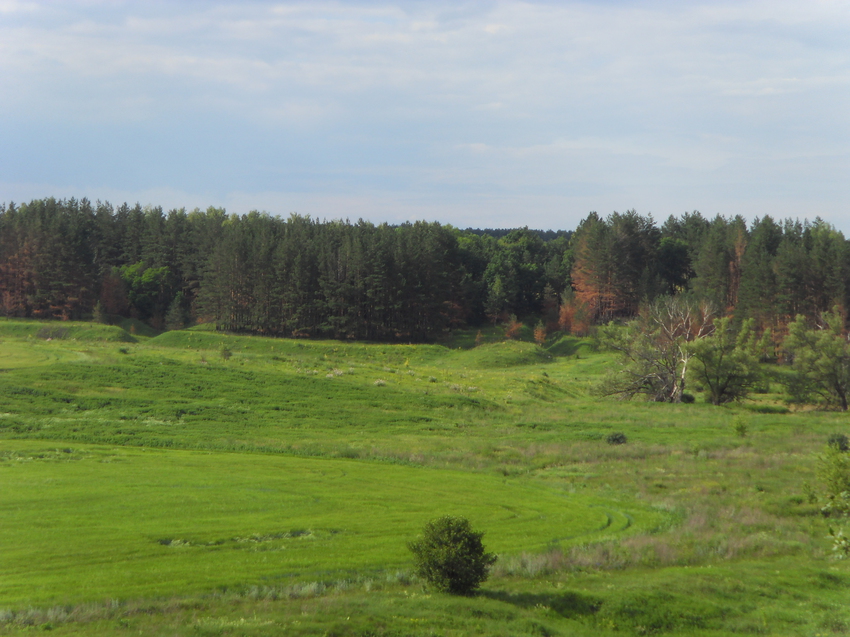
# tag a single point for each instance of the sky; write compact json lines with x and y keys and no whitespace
{"x":478,"y":114}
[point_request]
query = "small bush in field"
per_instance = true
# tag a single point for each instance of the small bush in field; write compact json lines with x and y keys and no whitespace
{"x":833,"y":472}
{"x":450,"y":556}
{"x":688,"y":398}
{"x":540,"y":333}
{"x":513,"y":329}
{"x":616,"y":438}
{"x":226,"y":353}
{"x":839,"y":441}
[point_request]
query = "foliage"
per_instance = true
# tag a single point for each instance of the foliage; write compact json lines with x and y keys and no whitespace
{"x":614,"y":259}
{"x":298,"y":276}
{"x":574,"y":316}
{"x":616,"y":438}
{"x":540,"y":333}
{"x":450,"y":555}
{"x":833,"y":471}
{"x":717,"y":262}
{"x":655,"y":349}
{"x":514,"y":328}
{"x":479,"y":338}
{"x":820,"y":360}
{"x":149,"y":289}
{"x":177,"y":316}
{"x":99,"y":315}
{"x":840,"y":543}
{"x":726,"y":363}
{"x":839,"y":441}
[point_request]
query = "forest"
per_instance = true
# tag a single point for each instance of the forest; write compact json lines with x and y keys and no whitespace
{"x":302,"y":277}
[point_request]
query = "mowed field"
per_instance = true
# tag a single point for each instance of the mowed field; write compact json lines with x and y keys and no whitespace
{"x":201,"y":483}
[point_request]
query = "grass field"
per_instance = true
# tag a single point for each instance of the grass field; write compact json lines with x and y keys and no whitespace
{"x":200,"y":483}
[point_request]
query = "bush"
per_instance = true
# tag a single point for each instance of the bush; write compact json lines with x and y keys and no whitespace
{"x":688,"y":398}
{"x":839,"y":441}
{"x":833,"y":471}
{"x":740,"y":426}
{"x":514,"y":328}
{"x":450,"y":556}
{"x":616,"y":438}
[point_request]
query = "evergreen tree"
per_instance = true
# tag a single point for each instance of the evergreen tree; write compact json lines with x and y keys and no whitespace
{"x":820,"y":360}
{"x":758,"y":293}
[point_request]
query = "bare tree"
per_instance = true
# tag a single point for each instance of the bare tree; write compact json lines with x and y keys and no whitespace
{"x":656,"y":348}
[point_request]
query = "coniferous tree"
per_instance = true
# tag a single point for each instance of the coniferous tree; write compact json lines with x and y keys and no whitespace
{"x":757,"y":294}
{"x":820,"y":361}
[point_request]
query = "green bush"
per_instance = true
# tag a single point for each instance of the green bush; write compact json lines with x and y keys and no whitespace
{"x":450,"y":556}
{"x":833,"y":471}
{"x":616,"y":438}
{"x":839,"y":441}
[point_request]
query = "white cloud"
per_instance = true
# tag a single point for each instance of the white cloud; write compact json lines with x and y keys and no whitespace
{"x":459,"y":106}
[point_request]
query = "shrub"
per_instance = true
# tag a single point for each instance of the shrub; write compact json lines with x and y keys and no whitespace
{"x":226,"y":353}
{"x":540,"y":333}
{"x":479,"y":338}
{"x":833,"y":471}
{"x":740,"y":426}
{"x":688,"y":398}
{"x":839,"y":441}
{"x":513,"y":328}
{"x":616,"y":438}
{"x":99,"y":316}
{"x":450,"y":556}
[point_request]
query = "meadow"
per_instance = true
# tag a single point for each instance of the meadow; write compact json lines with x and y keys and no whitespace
{"x":200,"y":483}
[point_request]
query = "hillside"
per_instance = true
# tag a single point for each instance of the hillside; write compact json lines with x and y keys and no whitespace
{"x":195,"y":482}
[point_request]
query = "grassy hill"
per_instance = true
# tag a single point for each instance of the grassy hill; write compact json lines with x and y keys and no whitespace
{"x":194,"y":482}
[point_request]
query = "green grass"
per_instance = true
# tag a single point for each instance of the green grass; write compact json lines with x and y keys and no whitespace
{"x":150,"y":522}
{"x":66,"y":330}
{"x":274,"y":491}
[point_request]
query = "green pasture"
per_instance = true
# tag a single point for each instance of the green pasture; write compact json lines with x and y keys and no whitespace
{"x":82,"y":523}
{"x":66,"y":330}
{"x":194,"y":482}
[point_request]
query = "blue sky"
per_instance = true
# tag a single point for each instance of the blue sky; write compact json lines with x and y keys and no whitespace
{"x":487,"y":114}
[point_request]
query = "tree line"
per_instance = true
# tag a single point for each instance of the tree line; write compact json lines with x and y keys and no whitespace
{"x":297,"y":276}
{"x":768,"y":271}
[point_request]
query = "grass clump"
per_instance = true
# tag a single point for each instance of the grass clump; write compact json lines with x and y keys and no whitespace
{"x":616,"y":438}
{"x":739,"y":425}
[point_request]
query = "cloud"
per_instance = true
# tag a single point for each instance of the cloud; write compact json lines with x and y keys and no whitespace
{"x":460,"y":106}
